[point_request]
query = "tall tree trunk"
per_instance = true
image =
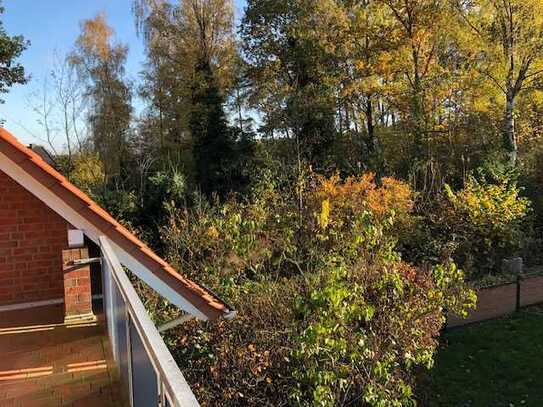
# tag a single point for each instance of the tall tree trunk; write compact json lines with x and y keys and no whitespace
{"x":369,"y":124}
{"x":509,"y":139}
{"x":238,"y":105}
{"x":374,"y":145}
{"x":417,"y":109}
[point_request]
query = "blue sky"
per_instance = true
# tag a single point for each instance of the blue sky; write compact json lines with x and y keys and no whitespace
{"x":52,"y":26}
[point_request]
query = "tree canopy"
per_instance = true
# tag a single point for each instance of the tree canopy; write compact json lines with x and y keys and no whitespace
{"x":11,"y":48}
{"x":342,"y":171}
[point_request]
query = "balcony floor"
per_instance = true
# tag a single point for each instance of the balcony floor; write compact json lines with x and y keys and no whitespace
{"x":46,"y":363}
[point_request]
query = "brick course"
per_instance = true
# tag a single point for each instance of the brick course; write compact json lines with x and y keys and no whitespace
{"x":501,"y":300}
{"x":492,"y":302}
{"x":531,"y":291}
{"x":32,"y":237}
{"x":77,"y":286}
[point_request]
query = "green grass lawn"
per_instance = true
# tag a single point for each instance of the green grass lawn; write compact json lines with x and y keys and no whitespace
{"x":490,"y":364}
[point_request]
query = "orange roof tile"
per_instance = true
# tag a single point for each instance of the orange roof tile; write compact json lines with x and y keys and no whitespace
{"x":201,"y":298}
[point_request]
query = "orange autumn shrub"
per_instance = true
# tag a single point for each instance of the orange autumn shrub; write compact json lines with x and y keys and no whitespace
{"x":343,"y":209}
{"x":358,"y":194}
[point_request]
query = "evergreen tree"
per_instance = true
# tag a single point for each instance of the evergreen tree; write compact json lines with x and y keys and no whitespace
{"x":213,"y":144}
{"x":293,"y":83}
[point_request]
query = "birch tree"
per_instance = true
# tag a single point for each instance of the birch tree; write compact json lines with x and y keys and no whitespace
{"x":100,"y":65}
{"x":505,"y":38}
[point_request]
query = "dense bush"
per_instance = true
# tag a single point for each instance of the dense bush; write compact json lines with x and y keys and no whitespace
{"x":532,"y":180}
{"x":87,"y":172}
{"x":488,"y":222}
{"x":329,"y":314}
{"x":478,"y":225}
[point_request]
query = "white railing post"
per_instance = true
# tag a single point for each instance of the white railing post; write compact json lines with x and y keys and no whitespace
{"x":170,"y":383}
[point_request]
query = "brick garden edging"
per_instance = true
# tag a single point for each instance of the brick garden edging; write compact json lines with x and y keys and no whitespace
{"x":500,"y":300}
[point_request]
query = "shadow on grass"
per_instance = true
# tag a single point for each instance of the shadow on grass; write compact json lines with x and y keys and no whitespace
{"x":490,"y":364}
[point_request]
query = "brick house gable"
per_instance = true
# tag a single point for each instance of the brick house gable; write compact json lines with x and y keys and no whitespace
{"x":33,"y":174}
{"x":32,"y":237}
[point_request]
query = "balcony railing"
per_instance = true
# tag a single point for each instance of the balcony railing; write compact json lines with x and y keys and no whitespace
{"x":148,"y":372}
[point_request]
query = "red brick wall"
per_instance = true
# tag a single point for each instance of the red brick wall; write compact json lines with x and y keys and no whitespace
{"x":531,"y":291}
{"x":32,"y":238}
{"x":492,"y":302}
{"x":77,"y":283}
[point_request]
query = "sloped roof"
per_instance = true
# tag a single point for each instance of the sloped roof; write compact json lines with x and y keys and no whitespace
{"x":32,"y":164}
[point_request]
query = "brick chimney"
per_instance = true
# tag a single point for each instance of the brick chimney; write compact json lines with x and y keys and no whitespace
{"x":77,"y":286}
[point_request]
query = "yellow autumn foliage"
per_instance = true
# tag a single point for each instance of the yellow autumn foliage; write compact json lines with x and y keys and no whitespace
{"x":488,"y":222}
{"x":96,"y":36}
{"x":324,"y":217}
{"x":87,"y":172}
{"x":489,"y":206}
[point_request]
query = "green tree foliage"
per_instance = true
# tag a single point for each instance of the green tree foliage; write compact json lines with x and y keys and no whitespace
{"x":213,"y":144}
{"x":328,"y":313}
{"x":424,"y":32}
{"x":189,"y":84}
{"x":11,"y":48}
{"x":488,"y":221}
{"x":381,"y":80}
{"x":323,"y":171}
{"x":289,"y":73}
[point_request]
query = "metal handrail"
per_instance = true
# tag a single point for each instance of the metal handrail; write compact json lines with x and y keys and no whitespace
{"x":170,"y":378}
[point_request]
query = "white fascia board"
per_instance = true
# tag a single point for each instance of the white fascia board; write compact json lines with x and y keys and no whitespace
{"x":78,"y":221}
